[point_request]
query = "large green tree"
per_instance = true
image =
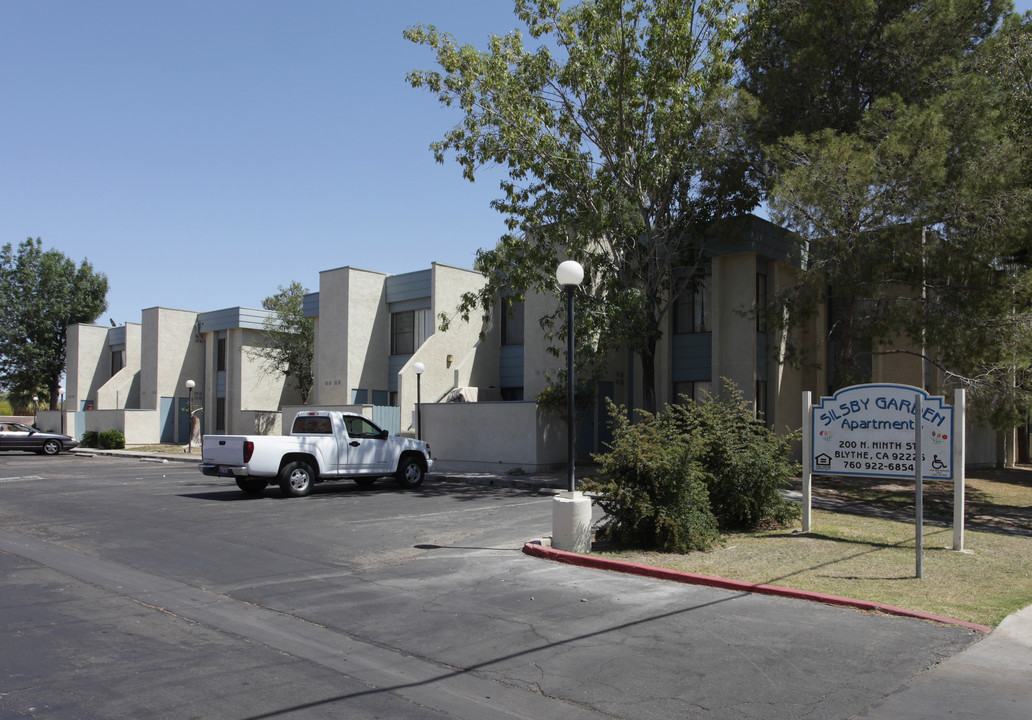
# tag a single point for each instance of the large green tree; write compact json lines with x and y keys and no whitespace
{"x":817,"y":65}
{"x":288,"y":338}
{"x":42,"y":292}
{"x":905,"y":177}
{"x":620,"y":134}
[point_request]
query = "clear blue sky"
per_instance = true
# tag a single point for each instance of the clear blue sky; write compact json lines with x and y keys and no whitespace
{"x":203,"y":152}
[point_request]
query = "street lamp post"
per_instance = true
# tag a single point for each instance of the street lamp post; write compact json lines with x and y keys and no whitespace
{"x":60,"y":394}
{"x":35,"y":409}
{"x":570,"y":274}
{"x":419,"y":368}
{"x":190,"y":384}
{"x":571,"y":510}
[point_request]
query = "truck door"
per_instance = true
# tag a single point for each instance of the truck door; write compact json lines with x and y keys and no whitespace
{"x":366,"y":447}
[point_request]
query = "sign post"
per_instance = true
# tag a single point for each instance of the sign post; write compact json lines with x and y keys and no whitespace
{"x":919,"y":502}
{"x":886,"y":430}
{"x":959,"y":460}
{"x":807,"y":462}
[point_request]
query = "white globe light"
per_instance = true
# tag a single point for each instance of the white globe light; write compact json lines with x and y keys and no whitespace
{"x":419,"y":368}
{"x":569,"y":273}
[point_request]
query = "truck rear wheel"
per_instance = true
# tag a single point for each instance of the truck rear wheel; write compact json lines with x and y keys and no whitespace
{"x":410,"y":472}
{"x":251,"y":486}
{"x":296,"y":479}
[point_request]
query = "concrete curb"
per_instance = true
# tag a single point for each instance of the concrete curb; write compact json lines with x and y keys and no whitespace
{"x":141,"y":456}
{"x":538,"y":548}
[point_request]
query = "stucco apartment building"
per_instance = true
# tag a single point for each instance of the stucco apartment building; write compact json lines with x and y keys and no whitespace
{"x":369,"y":328}
{"x":374,"y":330}
{"x":134,"y":378}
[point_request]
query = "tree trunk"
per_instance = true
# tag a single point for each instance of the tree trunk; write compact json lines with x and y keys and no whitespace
{"x":195,"y":429}
{"x":648,"y":378}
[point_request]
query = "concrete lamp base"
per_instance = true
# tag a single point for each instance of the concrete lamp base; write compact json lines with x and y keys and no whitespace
{"x":571,"y":522}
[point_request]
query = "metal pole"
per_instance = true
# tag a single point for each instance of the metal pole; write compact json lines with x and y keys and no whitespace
{"x":807,"y":462}
{"x":419,"y":406}
{"x":570,"y":480}
{"x":959,"y":440}
{"x":918,"y":476}
{"x":189,"y":420}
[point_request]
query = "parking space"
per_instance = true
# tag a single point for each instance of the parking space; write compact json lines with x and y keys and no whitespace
{"x":353,"y":602}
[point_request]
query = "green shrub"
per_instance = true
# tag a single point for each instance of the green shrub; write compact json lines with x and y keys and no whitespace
{"x":746,"y":463}
{"x":671,"y":480}
{"x":111,"y":440}
{"x":652,"y":493}
{"x":89,"y":439}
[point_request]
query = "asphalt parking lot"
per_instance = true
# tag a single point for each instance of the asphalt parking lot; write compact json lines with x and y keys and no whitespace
{"x":136,"y":589}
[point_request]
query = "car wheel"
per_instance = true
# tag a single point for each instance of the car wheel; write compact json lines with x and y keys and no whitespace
{"x":51,"y":447}
{"x":296,"y":479}
{"x":365,"y":481}
{"x":251,"y":486}
{"x":410,"y":472}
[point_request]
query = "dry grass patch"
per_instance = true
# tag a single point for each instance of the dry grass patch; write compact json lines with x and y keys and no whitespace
{"x":873,"y":559}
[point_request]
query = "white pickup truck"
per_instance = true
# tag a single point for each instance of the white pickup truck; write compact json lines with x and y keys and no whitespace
{"x":322,"y":445}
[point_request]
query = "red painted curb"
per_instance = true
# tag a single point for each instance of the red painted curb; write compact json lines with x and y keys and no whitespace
{"x":537,"y":548}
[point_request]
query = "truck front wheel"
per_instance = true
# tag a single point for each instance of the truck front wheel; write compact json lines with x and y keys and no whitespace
{"x":296,"y":479}
{"x":410,"y":472}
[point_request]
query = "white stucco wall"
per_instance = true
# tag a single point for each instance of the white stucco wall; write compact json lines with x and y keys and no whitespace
{"x":493,"y":437}
{"x":352,"y":334}
{"x":259,"y":388}
{"x":85,"y":355}
{"x":473,"y":363}
{"x":170,"y":354}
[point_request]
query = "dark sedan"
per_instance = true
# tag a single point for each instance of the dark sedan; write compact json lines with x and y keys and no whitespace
{"x":15,"y":436}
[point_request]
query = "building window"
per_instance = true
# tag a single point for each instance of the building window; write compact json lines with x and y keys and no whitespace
{"x":117,"y":361}
{"x":761,"y":303}
{"x":409,"y":330}
{"x":512,"y":322}
{"x":683,"y":391}
{"x":403,"y":333}
{"x":692,"y":309}
{"x":220,"y":415}
{"x":761,"y":400}
{"x":693,"y":390}
{"x":512,"y":394}
{"x":220,"y":355}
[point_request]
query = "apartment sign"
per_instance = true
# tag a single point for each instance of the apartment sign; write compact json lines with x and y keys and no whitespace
{"x":872,"y":430}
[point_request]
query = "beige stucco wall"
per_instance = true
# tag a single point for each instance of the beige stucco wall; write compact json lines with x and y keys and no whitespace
{"x":786,"y":382}
{"x":259,"y":389}
{"x":493,"y":437}
{"x":472,"y":363}
{"x":123,"y":389}
{"x":539,"y":366}
{"x":85,"y":371}
{"x":352,"y":334}
{"x":734,"y":330}
{"x":171,"y":353}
